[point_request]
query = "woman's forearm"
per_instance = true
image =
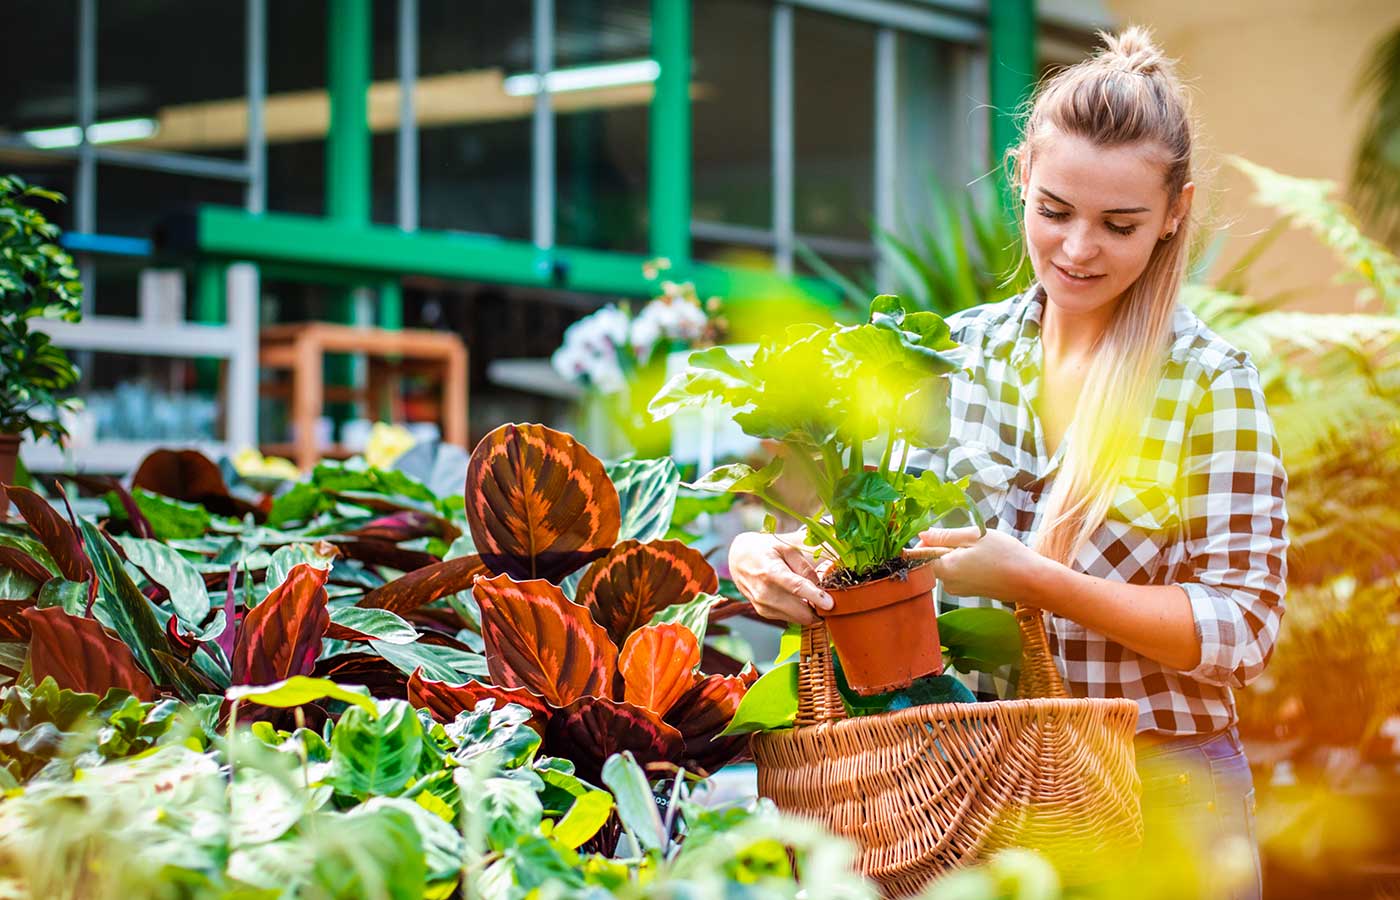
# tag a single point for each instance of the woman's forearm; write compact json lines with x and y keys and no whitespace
{"x":1153,"y":620}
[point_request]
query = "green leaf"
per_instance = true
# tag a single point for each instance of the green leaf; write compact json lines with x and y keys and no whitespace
{"x":636,"y":805}
{"x":585,"y":817}
{"x":71,"y":595}
{"x":693,"y":614}
{"x":739,"y":478}
{"x":691,"y":504}
{"x":770,"y":704}
{"x":172,"y":519}
{"x":17,"y":586}
{"x":980,"y":638}
{"x":511,"y":809}
{"x":646,"y":489}
{"x":168,"y":568}
{"x":790,"y":644}
{"x":380,"y":624}
{"x":438,"y":663}
{"x":376,"y":754}
{"x":123,"y":603}
{"x":301,"y":689}
{"x":286,"y":558}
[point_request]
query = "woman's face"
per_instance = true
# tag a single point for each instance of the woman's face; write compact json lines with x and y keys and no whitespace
{"x":1093,"y":216}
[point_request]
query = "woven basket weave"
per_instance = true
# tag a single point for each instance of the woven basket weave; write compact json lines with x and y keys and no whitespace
{"x":926,"y":789}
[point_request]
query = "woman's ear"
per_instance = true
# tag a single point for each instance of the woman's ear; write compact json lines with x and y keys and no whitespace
{"x":1176,"y":216}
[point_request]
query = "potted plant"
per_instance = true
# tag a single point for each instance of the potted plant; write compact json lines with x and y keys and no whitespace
{"x":847,"y":403}
{"x":37,"y":280}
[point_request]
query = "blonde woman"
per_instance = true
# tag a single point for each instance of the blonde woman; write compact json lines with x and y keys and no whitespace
{"x":1119,"y":450}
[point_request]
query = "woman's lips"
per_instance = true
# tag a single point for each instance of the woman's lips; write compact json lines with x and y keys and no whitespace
{"x":1070,"y":279}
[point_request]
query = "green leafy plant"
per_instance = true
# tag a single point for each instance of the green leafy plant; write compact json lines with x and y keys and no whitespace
{"x":826,"y":394}
{"x":37,"y":280}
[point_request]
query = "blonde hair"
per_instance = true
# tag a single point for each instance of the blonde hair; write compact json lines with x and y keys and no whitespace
{"x":1127,"y":93}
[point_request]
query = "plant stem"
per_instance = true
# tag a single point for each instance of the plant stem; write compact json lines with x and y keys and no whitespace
{"x":813,"y":526}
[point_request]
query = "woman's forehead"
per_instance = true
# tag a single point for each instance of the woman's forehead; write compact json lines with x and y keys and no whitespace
{"x":1093,"y":177}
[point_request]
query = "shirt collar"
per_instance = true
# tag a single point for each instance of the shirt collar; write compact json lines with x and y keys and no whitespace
{"x":1015,"y":337}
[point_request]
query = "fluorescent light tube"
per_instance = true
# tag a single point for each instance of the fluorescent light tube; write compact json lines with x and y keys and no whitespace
{"x":98,"y":133}
{"x":639,"y":71}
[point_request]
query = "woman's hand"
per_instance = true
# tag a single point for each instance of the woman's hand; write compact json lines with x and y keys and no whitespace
{"x":994,"y":565}
{"x":777,"y":577}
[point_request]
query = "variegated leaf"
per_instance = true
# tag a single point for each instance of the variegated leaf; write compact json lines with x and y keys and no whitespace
{"x":635,"y":581}
{"x":80,"y":655}
{"x":445,"y":700}
{"x":658,"y":666}
{"x":281,"y":636}
{"x":591,"y":729}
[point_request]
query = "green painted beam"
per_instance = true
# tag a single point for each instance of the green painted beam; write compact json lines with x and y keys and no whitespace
{"x":390,"y":305}
{"x":1011,"y":58}
{"x":280,"y":241}
{"x":669,"y":182}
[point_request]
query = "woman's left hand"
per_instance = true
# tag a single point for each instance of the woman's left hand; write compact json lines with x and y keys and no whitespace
{"x":994,"y":565}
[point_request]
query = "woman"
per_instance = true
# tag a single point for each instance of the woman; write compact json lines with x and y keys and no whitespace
{"x":1119,"y":450}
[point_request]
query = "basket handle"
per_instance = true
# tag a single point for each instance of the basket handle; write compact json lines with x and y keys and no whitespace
{"x":818,"y":699}
{"x":1040,"y":678}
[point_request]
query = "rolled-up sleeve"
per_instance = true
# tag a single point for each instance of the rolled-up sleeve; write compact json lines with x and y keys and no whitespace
{"x":1234,"y":517}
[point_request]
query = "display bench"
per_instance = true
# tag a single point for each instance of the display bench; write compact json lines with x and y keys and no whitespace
{"x":391,"y":355}
{"x":235,"y":344}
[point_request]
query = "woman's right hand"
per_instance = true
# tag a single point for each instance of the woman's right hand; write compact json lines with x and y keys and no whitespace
{"x":777,"y":577}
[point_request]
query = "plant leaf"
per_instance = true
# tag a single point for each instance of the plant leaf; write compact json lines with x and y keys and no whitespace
{"x":646,"y":490}
{"x":591,"y":729}
{"x":446,"y":701}
{"x":769,"y":704}
{"x":587,"y":814}
{"x":165,"y":566}
{"x":19,"y":561}
{"x":57,"y":536}
{"x":636,"y":805}
{"x":192,"y":477}
{"x":658,"y":665}
{"x":702,"y":714}
{"x":537,"y":638}
{"x":127,"y":609}
{"x":355,"y":623}
{"x":635,"y":581}
{"x":539,"y":505}
{"x":980,"y":638}
{"x":299,"y":690}
{"x":281,"y":636}
{"x":376,"y":753}
{"x":80,"y":655}
{"x":423,"y":586}
{"x":693,"y":614}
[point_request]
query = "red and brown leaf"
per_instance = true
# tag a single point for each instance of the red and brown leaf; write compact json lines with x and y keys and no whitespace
{"x":658,"y":665}
{"x":445,"y":700}
{"x":281,"y":636}
{"x":14,"y":627}
{"x":382,"y":677}
{"x":422,"y":586}
{"x":538,"y":503}
{"x":81,"y":655}
{"x":635,"y":581}
{"x":381,"y":552}
{"x":406,"y":525}
{"x":54,"y":532}
{"x":190,"y":476}
{"x":702,"y":713}
{"x":101,"y":484}
{"x":591,"y":729}
{"x":537,"y":638}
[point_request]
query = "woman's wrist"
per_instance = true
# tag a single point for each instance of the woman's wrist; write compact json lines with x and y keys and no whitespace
{"x":1043,"y":584}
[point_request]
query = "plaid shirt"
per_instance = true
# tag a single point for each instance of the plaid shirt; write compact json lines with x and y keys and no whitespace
{"x":1201,"y":506}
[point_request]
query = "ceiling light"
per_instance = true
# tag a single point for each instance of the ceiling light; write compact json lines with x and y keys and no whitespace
{"x":640,"y":71}
{"x":98,"y":133}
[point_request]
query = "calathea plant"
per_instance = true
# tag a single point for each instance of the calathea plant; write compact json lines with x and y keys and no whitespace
{"x":848,"y":403}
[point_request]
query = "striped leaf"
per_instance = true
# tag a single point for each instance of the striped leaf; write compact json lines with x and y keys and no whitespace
{"x":702,"y":713}
{"x":591,"y":729}
{"x":54,"y":532}
{"x":539,"y":505}
{"x":445,"y":700}
{"x":281,"y":636}
{"x":422,"y":586}
{"x":536,"y":638}
{"x":658,"y":665}
{"x":635,"y":581}
{"x":80,"y":655}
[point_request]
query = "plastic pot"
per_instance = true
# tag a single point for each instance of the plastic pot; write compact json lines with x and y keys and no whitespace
{"x":886,"y":631}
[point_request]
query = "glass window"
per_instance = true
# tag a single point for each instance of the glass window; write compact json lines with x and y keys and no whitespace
{"x":601,"y":123}
{"x":36,"y":90}
{"x":132,"y":202}
{"x":731,"y":113}
{"x":296,"y":114}
{"x":935,"y":128}
{"x":834,"y":125}
{"x":474,"y":137}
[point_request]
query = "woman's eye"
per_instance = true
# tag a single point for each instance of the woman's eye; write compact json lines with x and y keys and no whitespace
{"x":1121,"y":229}
{"x":1051,"y":214}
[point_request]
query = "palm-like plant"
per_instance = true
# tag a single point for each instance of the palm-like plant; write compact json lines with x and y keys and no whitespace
{"x":1375,"y":171}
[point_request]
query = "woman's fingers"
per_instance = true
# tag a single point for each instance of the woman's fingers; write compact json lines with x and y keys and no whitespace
{"x":778,"y":579}
{"x":949,"y":537}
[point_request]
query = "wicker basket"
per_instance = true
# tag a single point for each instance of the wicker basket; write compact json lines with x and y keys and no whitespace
{"x":930,"y":788}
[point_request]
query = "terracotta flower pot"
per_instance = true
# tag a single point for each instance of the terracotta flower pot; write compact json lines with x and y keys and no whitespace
{"x":886,"y":631}
{"x":9,"y":456}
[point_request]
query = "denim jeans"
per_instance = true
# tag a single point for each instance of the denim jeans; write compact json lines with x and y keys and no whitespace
{"x":1198,"y":808}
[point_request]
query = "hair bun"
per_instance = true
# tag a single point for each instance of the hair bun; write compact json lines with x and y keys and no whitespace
{"x":1133,"y":50}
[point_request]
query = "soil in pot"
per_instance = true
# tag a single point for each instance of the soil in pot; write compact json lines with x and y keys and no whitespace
{"x":886,"y":629}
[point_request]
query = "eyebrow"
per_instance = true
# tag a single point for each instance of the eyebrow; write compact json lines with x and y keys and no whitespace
{"x":1119,"y":212}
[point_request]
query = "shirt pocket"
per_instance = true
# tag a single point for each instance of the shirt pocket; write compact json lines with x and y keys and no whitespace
{"x":1144,"y":505}
{"x":1140,"y":528}
{"x":989,"y":475}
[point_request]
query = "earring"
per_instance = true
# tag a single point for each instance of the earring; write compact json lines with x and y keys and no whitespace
{"x":1169,"y":235}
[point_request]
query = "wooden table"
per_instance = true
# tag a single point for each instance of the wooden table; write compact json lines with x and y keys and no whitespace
{"x":301,"y":348}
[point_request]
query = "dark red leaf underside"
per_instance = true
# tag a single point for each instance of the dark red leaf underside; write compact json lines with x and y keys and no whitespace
{"x":702,"y":713}
{"x":591,"y":729}
{"x":54,"y":532}
{"x":445,"y":700}
{"x":538,"y":503}
{"x":382,"y":677}
{"x":81,"y":655}
{"x":14,"y":627}
{"x":635,"y":581}
{"x":380,"y":552}
{"x":190,"y":476}
{"x":405,"y":525}
{"x":281,"y":636}
{"x":658,"y":665}
{"x":422,"y":586}
{"x":536,"y":638}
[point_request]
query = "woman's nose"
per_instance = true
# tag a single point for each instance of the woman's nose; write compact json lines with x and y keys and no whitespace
{"x":1079,"y":245}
